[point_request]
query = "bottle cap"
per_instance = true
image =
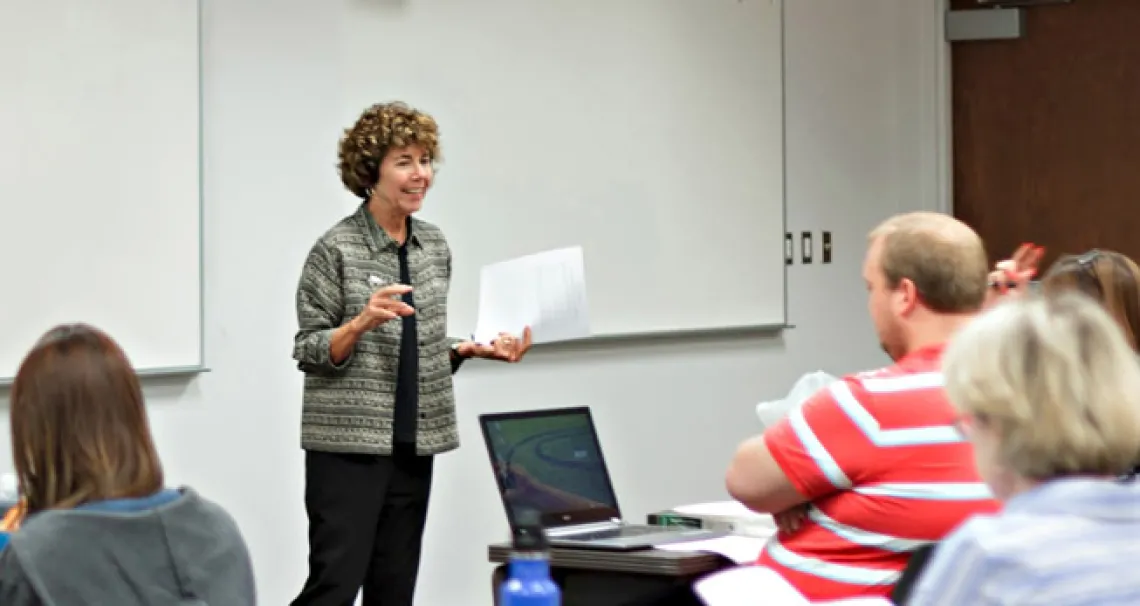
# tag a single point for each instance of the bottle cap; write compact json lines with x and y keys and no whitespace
{"x":528,"y":534}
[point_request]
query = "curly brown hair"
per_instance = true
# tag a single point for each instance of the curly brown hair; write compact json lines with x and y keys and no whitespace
{"x":380,"y":128}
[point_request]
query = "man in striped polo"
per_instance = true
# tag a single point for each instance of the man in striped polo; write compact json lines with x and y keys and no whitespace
{"x":873,"y":464}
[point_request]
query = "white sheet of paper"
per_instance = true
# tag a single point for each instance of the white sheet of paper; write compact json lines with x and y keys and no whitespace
{"x":546,"y":291}
{"x":747,"y":586}
{"x":760,"y":586}
{"x":739,"y":549}
{"x":873,"y":601}
{"x":733,"y":509}
{"x":805,"y":387}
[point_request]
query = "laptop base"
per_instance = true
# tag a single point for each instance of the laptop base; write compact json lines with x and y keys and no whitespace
{"x":648,"y":540}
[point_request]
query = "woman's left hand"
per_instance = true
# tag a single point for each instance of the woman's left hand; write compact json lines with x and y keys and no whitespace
{"x":506,"y":347}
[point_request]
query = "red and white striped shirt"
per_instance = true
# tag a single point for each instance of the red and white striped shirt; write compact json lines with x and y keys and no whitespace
{"x":886,"y":472}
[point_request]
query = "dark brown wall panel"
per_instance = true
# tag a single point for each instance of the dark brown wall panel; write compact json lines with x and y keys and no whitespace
{"x":1047,"y":130}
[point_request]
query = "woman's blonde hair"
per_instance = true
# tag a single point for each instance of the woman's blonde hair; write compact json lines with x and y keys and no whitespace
{"x":79,"y":424}
{"x":1055,"y":379}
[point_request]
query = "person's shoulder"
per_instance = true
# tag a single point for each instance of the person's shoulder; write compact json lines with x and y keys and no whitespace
{"x":428,"y":233}
{"x":842,"y":392}
{"x":348,"y":228}
{"x":972,"y":544}
{"x":1000,"y":537}
{"x":878,"y":398}
{"x":346,"y":236}
{"x":1023,"y":547}
{"x":966,"y":568}
{"x":205,"y":511}
{"x":897,"y":379}
{"x":41,"y":527}
{"x":894,"y":384}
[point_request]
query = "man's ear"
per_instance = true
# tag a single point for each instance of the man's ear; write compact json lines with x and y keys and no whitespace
{"x":906,"y":297}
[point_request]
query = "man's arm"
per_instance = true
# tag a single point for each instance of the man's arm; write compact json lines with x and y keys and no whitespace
{"x":756,"y":480}
{"x":813,"y":452}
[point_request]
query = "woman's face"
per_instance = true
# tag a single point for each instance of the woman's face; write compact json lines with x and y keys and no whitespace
{"x":405,"y":177}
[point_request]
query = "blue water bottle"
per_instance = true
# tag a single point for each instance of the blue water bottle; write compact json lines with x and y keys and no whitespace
{"x":528,"y":580}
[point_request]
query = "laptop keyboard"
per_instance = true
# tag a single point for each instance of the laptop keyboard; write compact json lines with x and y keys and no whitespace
{"x":616,"y":533}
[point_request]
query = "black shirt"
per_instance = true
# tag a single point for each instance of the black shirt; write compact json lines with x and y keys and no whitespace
{"x":407,"y":375}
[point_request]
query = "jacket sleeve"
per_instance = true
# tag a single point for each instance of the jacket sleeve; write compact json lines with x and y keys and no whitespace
{"x":320,"y":310}
{"x":15,"y":589}
{"x":456,"y":359}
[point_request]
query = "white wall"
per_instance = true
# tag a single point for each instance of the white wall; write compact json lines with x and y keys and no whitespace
{"x":863,"y":143}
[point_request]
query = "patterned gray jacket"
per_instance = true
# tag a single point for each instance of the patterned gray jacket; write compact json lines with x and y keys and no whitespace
{"x":348,"y":407}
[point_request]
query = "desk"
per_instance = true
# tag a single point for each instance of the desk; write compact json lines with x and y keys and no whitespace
{"x":588,"y":577}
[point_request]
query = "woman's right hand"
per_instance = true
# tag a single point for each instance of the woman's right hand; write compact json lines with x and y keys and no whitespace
{"x":1011,"y":277}
{"x":384,"y":305}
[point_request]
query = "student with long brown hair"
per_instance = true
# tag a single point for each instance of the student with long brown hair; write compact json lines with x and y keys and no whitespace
{"x":99,"y":526}
{"x":1108,"y":277}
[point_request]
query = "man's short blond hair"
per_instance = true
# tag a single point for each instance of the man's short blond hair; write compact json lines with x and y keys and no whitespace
{"x":1055,"y":379}
{"x":942,"y":256}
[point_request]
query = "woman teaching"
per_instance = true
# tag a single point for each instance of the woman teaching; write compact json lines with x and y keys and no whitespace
{"x":378,"y":402}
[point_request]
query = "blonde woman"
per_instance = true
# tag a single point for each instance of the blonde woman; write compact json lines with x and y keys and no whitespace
{"x":1049,"y":395}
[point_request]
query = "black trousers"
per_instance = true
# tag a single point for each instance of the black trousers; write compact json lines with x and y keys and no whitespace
{"x":366,"y":524}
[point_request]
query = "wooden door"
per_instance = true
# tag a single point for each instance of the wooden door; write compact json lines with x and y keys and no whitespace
{"x":1046,"y":130}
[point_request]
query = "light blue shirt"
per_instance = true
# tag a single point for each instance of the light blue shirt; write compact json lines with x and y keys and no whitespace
{"x":1071,"y":542}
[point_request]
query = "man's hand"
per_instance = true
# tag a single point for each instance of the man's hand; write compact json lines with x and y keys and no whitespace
{"x":790,"y":520}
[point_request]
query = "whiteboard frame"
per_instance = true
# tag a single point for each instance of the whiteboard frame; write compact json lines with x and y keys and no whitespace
{"x":686,"y":334}
{"x":200,"y":367}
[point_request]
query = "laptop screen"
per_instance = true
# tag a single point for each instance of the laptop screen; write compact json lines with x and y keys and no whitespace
{"x":550,"y":462}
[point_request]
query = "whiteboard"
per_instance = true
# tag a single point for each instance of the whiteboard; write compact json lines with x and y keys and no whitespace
{"x":99,"y":176}
{"x":650,"y":132}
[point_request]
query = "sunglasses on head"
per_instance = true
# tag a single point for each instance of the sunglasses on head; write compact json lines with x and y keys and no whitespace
{"x":1088,"y":279}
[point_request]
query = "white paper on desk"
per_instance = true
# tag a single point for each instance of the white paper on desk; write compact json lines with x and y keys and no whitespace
{"x":747,"y":586}
{"x":760,"y":586}
{"x":726,"y":509}
{"x":738,"y":548}
{"x":546,"y":291}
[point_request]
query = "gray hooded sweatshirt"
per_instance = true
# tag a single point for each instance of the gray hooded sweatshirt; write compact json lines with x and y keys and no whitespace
{"x":171,"y":549}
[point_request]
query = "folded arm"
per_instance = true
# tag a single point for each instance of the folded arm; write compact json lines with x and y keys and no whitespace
{"x":756,"y":480}
{"x":812,"y":453}
{"x":324,"y":343}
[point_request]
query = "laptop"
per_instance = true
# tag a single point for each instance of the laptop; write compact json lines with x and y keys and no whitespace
{"x":550,"y":463}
